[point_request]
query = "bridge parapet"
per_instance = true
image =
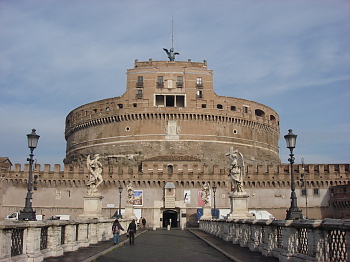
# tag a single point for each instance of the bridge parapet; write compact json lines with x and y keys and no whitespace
{"x":298,"y":240}
{"x":35,"y":240}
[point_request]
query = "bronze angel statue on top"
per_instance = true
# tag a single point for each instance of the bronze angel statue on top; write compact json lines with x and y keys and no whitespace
{"x":171,"y":54}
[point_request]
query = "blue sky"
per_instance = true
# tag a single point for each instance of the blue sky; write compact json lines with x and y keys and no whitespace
{"x":293,"y":56}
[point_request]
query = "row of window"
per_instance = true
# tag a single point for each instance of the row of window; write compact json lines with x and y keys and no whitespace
{"x":316,"y":192}
{"x":160,"y":82}
{"x":171,"y":101}
{"x":179,"y":101}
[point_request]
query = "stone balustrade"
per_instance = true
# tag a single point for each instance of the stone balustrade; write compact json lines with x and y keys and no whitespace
{"x":287,"y":240}
{"x":35,"y":240}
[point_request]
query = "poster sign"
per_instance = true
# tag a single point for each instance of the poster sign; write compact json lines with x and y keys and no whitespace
{"x":187,"y":196}
{"x":199,"y":197}
{"x":138,"y":198}
{"x":200,"y":200}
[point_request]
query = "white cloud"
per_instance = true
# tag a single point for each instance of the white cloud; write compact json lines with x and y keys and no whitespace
{"x":57,"y":55}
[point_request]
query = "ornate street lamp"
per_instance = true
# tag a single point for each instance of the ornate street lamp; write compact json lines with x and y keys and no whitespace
{"x":294,"y":212}
{"x":214,"y":191}
{"x":116,"y":214}
{"x":28,"y":213}
{"x":120,"y":202}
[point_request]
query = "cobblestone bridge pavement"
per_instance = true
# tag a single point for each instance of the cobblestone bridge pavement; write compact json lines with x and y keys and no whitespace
{"x":165,"y":245}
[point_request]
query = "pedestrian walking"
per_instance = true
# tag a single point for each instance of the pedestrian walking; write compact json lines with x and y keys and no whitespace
{"x":116,"y":231}
{"x":139,"y":222}
{"x":144,"y":222}
{"x":132,"y":231}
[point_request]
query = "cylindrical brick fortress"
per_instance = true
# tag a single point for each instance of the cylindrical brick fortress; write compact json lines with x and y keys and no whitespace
{"x":170,"y":109}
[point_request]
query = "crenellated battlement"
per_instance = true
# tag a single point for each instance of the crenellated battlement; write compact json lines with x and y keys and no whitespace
{"x":250,"y":169}
{"x":309,"y":169}
{"x":278,"y":176}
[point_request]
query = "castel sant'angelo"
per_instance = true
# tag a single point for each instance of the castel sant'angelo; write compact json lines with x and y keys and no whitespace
{"x":170,"y":131}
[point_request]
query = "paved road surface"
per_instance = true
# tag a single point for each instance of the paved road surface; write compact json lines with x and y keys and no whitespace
{"x":164,"y":245}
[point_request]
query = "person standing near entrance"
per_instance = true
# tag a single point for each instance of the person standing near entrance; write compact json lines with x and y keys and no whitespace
{"x":144,"y":222}
{"x":132,"y":231}
{"x":116,"y":231}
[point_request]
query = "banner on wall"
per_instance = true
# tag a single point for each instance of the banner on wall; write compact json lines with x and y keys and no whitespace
{"x":199,"y":197}
{"x":138,"y":198}
{"x":200,"y":200}
{"x":187,"y":196}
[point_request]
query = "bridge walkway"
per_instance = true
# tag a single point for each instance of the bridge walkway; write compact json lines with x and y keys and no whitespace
{"x":164,"y":245}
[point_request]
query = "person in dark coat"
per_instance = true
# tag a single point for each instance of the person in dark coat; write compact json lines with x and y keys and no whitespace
{"x":144,"y":222}
{"x":116,"y":231}
{"x":132,"y":231}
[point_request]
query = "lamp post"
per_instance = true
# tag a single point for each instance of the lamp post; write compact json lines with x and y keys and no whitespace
{"x":28,"y":213}
{"x":294,"y":212}
{"x":214,"y":191}
{"x":120,"y":202}
{"x":116,"y":214}
{"x":303,"y":184}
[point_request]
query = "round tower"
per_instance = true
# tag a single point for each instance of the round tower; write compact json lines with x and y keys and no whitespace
{"x":170,"y":109}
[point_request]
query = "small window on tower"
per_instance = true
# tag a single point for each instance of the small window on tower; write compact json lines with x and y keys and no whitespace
{"x":259,"y":113}
{"x":219,"y":106}
{"x":139,"y":94}
{"x":199,"y":82}
{"x":160,"y":100}
{"x":160,"y":82}
{"x":139,"y":82}
{"x":179,"y":83}
{"x":233,"y":108}
{"x":245,"y":109}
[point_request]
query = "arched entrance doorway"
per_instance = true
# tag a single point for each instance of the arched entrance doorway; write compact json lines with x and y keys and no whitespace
{"x":170,"y":215}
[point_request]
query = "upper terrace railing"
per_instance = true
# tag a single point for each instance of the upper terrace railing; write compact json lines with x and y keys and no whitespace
{"x":297,"y":241}
{"x":35,"y":240}
{"x":86,"y":117}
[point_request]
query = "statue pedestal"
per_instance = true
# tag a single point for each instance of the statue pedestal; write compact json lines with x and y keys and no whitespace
{"x":129,"y":212}
{"x":92,"y":207}
{"x":206,"y":212}
{"x":239,"y":207}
